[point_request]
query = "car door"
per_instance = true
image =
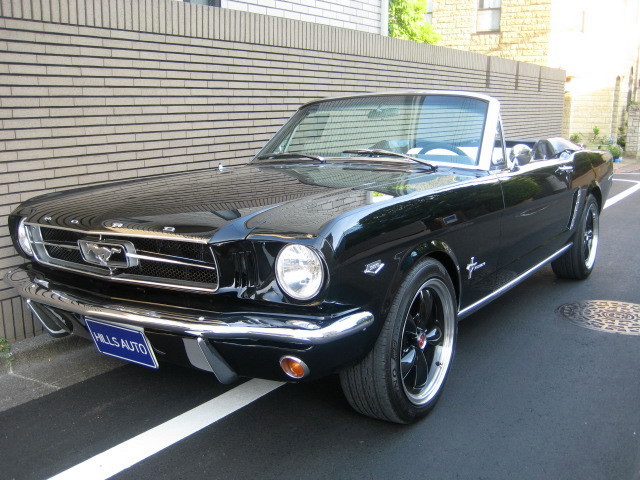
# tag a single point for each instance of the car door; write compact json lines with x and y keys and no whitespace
{"x":538,"y":200}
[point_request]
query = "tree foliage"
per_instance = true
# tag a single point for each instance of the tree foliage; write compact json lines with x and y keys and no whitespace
{"x":407,"y":21}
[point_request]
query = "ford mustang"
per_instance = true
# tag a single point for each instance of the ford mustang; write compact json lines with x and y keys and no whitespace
{"x":352,"y":243}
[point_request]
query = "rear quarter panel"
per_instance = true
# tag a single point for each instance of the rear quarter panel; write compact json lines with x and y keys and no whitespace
{"x":593,"y":171}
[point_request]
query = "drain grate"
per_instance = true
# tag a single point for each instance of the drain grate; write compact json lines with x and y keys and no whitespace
{"x":604,"y":315}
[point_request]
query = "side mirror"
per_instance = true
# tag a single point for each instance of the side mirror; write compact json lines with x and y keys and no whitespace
{"x":521,"y":154}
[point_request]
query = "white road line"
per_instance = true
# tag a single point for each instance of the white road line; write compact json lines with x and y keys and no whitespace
{"x":136,"y":449}
{"x":621,"y":196}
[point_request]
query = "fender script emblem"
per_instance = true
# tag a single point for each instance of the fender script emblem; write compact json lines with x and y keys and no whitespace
{"x":473,"y":266}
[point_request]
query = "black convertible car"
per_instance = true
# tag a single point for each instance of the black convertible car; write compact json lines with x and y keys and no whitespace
{"x":351,"y":244}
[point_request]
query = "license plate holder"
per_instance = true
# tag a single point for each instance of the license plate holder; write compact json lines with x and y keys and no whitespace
{"x":126,"y":343}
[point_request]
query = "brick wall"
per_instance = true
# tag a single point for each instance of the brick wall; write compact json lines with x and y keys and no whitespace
{"x":455,"y":22}
{"x":602,"y":107}
{"x":525,"y":27}
{"x":633,"y":132}
{"x":366,"y":16}
{"x":99,"y":90}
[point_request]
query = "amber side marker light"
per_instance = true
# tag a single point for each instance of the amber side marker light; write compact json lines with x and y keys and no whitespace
{"x":294,"y":367}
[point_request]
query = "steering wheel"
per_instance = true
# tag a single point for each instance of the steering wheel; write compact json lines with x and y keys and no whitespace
{"x":428,"y":146}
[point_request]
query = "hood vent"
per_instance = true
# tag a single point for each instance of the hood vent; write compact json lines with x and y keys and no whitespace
{"x":244,"y":269}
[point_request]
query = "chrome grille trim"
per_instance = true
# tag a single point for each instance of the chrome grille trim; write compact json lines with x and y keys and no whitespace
{"x":137,"y":233}
{"x":42,"y":252}
{"x":173,"y":261}
{"x":60,"y":245}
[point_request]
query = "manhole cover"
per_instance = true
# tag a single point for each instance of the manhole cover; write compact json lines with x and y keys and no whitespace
{"x":604,"y":315}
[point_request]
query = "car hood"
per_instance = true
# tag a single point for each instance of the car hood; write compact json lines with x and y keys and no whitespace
{"x":218,"y":205}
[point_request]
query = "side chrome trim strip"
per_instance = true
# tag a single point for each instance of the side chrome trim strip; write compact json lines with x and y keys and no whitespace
{"x":480,"y":303}
{"x":580,"y":196}
{"x":192,"y":323}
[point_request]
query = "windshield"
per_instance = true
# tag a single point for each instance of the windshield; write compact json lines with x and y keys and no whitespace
{"x":440,"y":128}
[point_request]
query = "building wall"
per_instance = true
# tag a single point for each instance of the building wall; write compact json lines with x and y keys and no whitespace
{"x":589,"y":110}
{"x":455,"y":22}
{"x":598,"y":65}
{"x":605,"y":108}
{"x":596,"y":46}
{"x":365,"y":16}
{"x":100,"y":90}
{"x":633,"y":137}
{"x":524,"y":29}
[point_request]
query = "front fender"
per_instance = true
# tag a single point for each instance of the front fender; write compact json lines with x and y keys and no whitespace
{"x":437,"y":249}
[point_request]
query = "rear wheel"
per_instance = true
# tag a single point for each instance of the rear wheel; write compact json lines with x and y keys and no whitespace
{"x":402,"y":377}
{"x":577,"y":263}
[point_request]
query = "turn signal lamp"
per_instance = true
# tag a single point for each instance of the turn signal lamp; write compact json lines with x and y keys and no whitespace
{"x":294,"y":367}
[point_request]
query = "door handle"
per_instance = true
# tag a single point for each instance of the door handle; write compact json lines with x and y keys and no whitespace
{"x":564,"y":169}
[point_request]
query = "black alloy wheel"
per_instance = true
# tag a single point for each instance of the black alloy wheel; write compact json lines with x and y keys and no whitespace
{"x":577,"y":263}
{"x":402,"y":377}
{"x":427,"y":344}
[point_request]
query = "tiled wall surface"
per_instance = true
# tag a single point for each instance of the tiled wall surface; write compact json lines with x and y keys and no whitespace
{"x":99,"y":90}
{"x":633,"y":135}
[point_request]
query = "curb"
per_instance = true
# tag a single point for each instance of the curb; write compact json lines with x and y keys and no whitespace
{"x":628,"y":168}
{"x":41,"y":348}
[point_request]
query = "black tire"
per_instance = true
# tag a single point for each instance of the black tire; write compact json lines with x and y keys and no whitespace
{"x":577,"y":263}
{"x":402,"y":377}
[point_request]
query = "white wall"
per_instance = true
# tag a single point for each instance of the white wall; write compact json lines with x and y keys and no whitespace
{"x":365,"y":16}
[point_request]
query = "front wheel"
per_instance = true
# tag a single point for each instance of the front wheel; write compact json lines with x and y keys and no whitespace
{"x":402,"y":377}
{"x":577,"y":263}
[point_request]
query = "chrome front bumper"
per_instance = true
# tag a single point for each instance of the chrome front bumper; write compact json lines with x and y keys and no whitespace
{"x":34,"y":288}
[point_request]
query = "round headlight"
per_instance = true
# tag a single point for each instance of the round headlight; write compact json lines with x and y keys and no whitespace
{"x":299,"y":271}
{"x":23,"y":238}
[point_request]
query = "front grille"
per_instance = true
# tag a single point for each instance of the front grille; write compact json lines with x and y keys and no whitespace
{"x":148,"y":268}
{"x":65,"y":254}
{"x":160,"y":262}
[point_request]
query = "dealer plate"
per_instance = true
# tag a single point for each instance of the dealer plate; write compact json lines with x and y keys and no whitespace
{"x":122,"y":342}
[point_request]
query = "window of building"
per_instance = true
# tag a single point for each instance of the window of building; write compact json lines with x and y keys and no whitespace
{"x":428,"y":16}
{"x":488,"y":16}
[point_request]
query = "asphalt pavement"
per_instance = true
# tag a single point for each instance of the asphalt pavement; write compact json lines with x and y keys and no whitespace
{"x":531,"y":395}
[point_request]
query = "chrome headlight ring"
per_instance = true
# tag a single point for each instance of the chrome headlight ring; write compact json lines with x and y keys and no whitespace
{"x":300,"y":271}
{"x":23,"y":238}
